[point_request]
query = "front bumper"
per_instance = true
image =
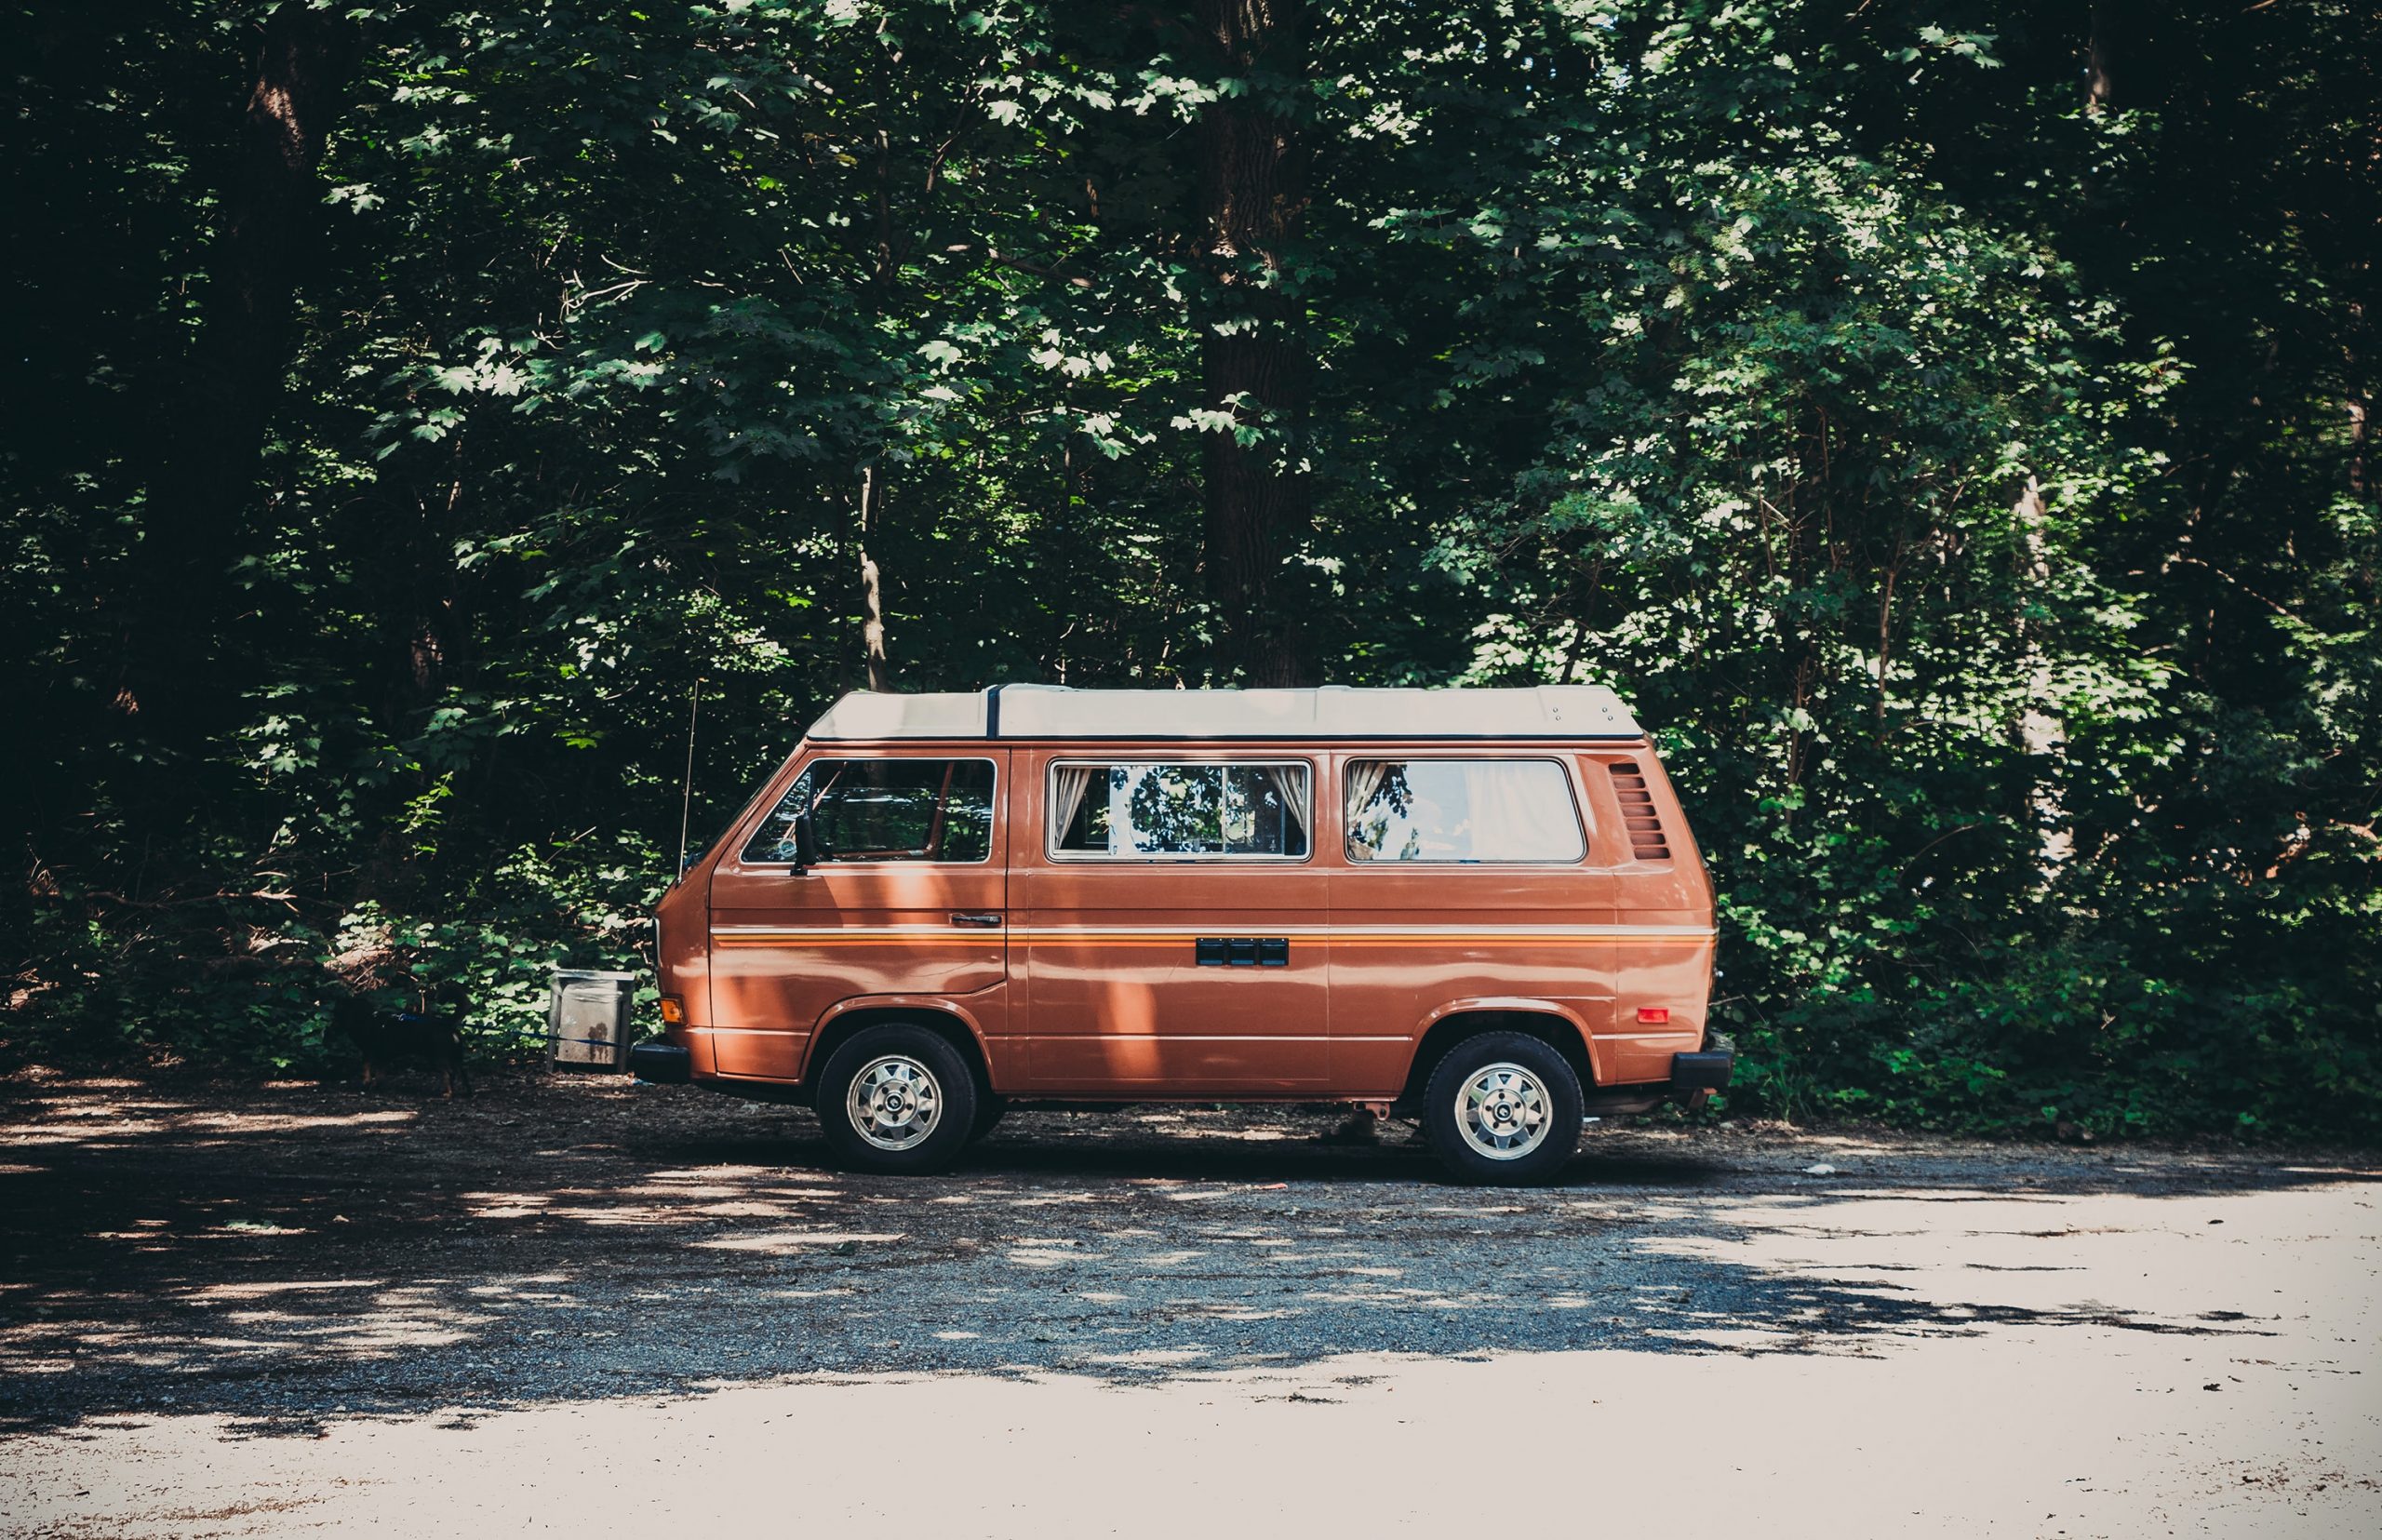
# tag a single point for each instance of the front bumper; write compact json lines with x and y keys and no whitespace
{"x":664,"y":1064}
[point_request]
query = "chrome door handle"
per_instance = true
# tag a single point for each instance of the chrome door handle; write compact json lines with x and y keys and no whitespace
{"x":975,"y":920}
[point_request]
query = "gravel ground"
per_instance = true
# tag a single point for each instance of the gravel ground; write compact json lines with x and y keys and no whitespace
{"x":298,"y":1269}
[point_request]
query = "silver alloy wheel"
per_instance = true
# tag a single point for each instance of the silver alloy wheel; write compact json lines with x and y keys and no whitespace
{"x":894,"y":1102}
{"x":1502,"y":1111}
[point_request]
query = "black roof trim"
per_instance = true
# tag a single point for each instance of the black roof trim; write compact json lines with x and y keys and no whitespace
{"x":1268,"y":738}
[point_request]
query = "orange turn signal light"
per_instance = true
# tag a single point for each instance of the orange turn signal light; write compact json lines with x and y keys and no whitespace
{"x":1655,"y":1015}
{"x":674,"y":1010}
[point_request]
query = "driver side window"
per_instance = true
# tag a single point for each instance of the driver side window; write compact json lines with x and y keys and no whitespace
{"x":884,"y":809}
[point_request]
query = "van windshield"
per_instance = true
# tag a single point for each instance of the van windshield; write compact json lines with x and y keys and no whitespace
{"x":1177,"y":810}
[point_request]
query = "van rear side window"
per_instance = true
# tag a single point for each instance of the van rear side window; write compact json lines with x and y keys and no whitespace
{"x":1123,"y":811}
{"x":1461,"y":809}
{"x":885,"y":810}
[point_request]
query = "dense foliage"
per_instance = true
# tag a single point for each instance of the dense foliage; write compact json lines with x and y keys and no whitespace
{"x":1948,"y":422}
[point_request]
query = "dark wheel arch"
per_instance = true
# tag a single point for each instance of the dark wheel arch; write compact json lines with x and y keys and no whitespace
{"x":1558,"y":1032}
{"x":844,"y":1028}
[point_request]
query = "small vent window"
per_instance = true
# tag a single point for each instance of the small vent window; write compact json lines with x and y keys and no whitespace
{"x":1638,"y":815}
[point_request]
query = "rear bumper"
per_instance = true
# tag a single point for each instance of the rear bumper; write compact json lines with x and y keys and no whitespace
{"x":1707,"y":1070}
{"x":664,"y":1064}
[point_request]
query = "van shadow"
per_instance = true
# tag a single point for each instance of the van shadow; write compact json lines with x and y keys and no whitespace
{"x":283,"y":1258}
{"x":1307,"y":1158}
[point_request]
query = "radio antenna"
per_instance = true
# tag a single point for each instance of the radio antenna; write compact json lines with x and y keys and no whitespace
{"x":687,"y":793}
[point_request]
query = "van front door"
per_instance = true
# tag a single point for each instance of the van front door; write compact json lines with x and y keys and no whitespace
{"x":905,"y":896}
{"x":1172,"y":914}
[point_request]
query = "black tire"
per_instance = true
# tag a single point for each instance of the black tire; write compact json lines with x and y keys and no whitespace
{"x":924,"y":1058}
{"x":990,"y":1110}
{"x":1546,"y":1088}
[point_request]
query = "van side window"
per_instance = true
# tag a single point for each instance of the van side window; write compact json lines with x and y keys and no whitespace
{"x":1461,"y":809}
{"x":885,"y":810}
{"x":1218,"y":810}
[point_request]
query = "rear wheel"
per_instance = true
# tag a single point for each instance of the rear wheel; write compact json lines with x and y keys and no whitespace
{"x":897,"y":1098}
{"x":1504,"y":1108}
{"x":990,"y":1109}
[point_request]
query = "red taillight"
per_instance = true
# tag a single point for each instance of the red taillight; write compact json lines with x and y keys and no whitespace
{"x":1655,"y":1015}
{"x":674,"y":1010}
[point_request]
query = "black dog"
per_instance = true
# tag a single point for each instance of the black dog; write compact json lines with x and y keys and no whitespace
{"x":387,"y":1037}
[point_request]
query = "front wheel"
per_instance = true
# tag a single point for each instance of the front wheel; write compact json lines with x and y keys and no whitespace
{"x":1504,"y":1108}
{"x":897,"y":1098}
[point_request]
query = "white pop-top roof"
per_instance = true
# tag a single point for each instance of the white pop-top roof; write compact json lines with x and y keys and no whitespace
{"x":1336,"y":710}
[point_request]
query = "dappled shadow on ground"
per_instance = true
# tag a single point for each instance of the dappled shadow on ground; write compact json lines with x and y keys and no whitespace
{"x":291,"y":1253}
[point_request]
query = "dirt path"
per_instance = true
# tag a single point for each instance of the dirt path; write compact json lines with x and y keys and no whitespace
{"x":615,"y":1309}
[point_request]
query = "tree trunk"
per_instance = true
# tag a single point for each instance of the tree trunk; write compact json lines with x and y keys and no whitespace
{"x":881,"y":664}
{"x":2100,"y":49}
{"x":884,"y":271}
{"x":1254,"y":362}
{"x":2361,"y":412}
{"x":2040,"y":735}
{"x":195,"y":525}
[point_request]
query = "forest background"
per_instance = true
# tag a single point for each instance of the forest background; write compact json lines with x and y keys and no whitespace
{"x":1948,"y":423}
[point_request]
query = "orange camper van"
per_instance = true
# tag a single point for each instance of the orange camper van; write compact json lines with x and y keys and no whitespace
{"x":1478,"y":906}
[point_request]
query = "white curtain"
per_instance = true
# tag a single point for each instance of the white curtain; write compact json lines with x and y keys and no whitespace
{"x":1519,"y":809}
{"x":1365,"y":777}
{"x":1290,"y":785}
{"x":1068,"y":785}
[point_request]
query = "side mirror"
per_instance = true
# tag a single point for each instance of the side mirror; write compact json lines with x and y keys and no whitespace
{"x":806,"y":842}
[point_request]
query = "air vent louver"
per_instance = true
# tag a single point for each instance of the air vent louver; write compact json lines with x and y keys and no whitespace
{"x":1638,"y":815}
